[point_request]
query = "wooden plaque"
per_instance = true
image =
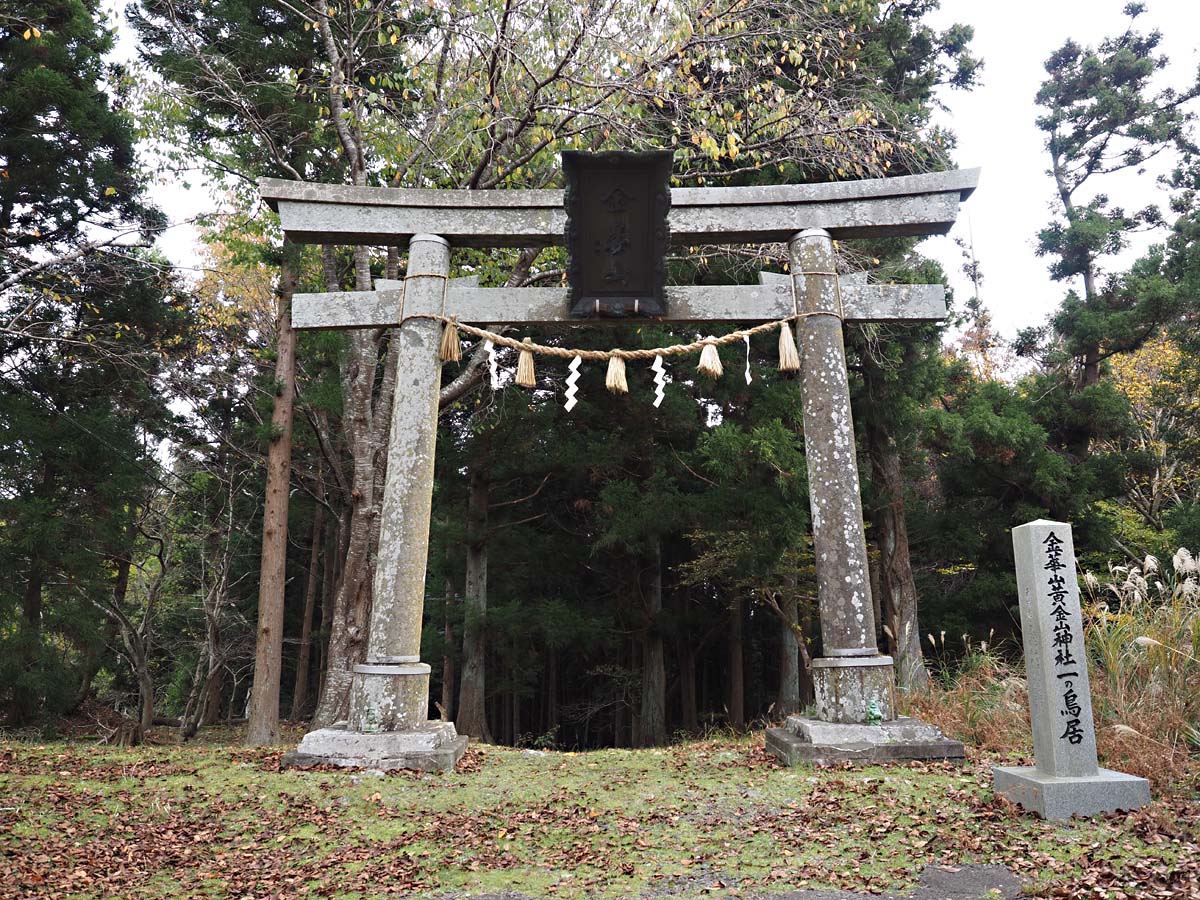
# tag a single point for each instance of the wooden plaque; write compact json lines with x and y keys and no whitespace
{"x":617,"y":232}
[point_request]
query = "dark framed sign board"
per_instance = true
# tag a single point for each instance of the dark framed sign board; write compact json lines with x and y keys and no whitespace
{"x":617,"y":232}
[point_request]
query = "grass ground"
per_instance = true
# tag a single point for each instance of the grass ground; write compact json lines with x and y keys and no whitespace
{"x":713,"y":818}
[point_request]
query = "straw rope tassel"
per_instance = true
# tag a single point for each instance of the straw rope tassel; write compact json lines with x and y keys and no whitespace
{"x":710,"y":361}
{"x":525,"y":376}
{"x":451,"y":349}
{"x":615,"y":379}
{"x":789,"y":357}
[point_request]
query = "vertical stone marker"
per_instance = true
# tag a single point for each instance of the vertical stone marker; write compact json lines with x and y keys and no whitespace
{"x":1066,"y":780}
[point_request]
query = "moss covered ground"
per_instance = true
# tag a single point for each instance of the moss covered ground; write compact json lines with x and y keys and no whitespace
{"x":700,"y":819}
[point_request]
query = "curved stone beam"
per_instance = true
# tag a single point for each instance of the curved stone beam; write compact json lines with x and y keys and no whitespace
{"x":910,"y":205}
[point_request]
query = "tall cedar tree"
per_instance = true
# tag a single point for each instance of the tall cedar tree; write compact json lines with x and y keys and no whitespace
{"x":231,"y":61}
{"x":86,"y":339}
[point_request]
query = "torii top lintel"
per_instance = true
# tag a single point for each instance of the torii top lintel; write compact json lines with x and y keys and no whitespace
{"x":905,"y":206}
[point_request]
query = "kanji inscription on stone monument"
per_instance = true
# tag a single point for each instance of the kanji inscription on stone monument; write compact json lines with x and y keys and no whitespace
{"x":1067,"y":779}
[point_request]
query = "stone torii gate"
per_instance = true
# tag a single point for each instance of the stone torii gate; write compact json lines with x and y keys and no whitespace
{"x":388,"y":725}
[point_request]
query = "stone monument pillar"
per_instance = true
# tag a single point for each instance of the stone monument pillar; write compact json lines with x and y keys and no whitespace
{"x":389,"y":725}
{"x":855,"y":716}
{"x":1066,"y":780}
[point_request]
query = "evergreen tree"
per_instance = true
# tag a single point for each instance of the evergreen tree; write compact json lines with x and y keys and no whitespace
{"x":1103,"y":117}
{"x":67,"y":178}
{"x":82,"y":406}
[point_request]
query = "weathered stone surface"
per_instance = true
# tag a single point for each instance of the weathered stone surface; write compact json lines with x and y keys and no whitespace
{"x":1060,"y":797}
{"x":854,"y":682}
{"x":805,"y":740}
{"x":1060,"y":698}
{"x":399,"y":588}
{"x":961,"y":882}
{"x":959,"y":181}
{"x":847,"y":688}
{"x":342,"y":214}
{"x":900,"y":730}
{"x":839,"y":541}
{"x":432,"y":746}
{"x":969,"y":882}
{"x":703,"y":303}
{"x":389,"y":697}
{"x":1067,"y":779}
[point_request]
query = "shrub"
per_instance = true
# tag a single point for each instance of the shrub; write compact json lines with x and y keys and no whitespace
{"x":1143,"y":638}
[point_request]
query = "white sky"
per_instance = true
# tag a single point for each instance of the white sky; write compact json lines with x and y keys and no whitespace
{"x":996,"y":131}
{"x":995,"y":128}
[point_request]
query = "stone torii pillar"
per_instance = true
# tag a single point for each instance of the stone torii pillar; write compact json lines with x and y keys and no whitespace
{"x":851,"y":675}
{"x":389,"y":724}
{"x":853,"y":683}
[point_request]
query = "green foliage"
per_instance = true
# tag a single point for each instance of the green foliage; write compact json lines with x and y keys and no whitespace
{"x":66,"y":146}
{"x":83,"y":406}
{"x":1104,"y":116}
{"x":79,"y":421}
{"x":247,"y":71}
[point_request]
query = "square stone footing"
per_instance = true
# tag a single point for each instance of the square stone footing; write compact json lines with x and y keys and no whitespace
{"x":804,"y":740}
{"x":433,"y":747}
{"x":1056,"y":797}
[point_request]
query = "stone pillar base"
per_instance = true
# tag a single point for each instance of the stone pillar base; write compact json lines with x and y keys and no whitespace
{"x":804,"y":740}
{"x":431,"y":747}
{"x":1060,"y":797}
{"x":386,"y":698}
{"x":854,"y":689}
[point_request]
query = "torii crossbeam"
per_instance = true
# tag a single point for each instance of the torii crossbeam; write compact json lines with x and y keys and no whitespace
{"x":388,"y":725}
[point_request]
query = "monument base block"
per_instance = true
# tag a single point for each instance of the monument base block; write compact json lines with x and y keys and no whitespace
{"x":1058,"y":797}
{"x":432,"y":747}
{"x":849,"y":688}
{"x":804,"y":740}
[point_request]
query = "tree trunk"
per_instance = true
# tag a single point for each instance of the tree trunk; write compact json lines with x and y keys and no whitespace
{"x":212,"y":698}
{"x":898,"y":589}
{"x":365,"y":434}
{"x":300,"y":690}
{"x":26,"y":692}
{"x":146,"y":695}
{"x":328,"y":582}
{"x":552,"y":693}
{"x":787,"y":699}
{"x":737,"y":677}
{"x":93,"y":658}
{"x":92,"y":655}
{"x":447,"y":704}
{"x":652,"y":723}
{"x":687,"y":688}
{"x":514,"y":700}
{"x":472,"y":712}
{"x":263,"y":724}
{"x":685,"y":652}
